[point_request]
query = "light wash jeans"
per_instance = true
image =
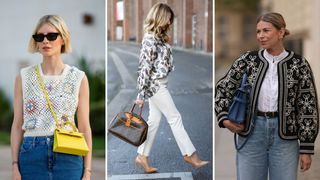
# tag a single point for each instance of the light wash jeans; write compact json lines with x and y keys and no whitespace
{"x":38,"y":162}
{"x":159,"y":103}
{"x":265,"y":152}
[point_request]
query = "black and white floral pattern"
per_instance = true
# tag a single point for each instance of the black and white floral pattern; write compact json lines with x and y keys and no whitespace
{"x":155,"y":63}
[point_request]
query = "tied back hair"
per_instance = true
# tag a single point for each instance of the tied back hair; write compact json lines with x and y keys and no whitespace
{"x":158,"y":21}
{"x":276,"y":19}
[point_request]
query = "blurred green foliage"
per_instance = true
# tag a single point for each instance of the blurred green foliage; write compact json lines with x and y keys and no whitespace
{"x":97,"y":84}
{"x":98,"y":146}
{"x":6,"y":112}
{"x":4,"y":137}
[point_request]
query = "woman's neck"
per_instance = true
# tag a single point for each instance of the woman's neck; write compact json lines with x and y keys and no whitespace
{"x":52,"y":66}
{"x":276,"y":51}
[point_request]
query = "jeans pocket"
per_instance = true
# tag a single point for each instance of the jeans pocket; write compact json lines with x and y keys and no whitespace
{"x":26,"y":147}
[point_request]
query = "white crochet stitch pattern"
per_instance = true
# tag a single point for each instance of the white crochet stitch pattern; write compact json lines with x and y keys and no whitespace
{"x":63,"y":92}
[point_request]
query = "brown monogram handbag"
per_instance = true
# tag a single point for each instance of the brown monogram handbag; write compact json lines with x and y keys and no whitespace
{"x":129,"y":127}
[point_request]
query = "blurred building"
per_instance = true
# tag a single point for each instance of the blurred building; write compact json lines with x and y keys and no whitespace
{"x":192,"y":27}
{"x":85,"y":19}
{"x":235,"y":26}
{"x":302,"y":18}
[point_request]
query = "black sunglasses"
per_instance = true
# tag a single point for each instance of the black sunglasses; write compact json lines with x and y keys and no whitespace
{"x":49,"y":36}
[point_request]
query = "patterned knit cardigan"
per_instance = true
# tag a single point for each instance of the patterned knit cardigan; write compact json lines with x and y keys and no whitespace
{"x":297,"y":103}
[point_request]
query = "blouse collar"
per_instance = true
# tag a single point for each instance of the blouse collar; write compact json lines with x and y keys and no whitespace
{"x":273,"y":59}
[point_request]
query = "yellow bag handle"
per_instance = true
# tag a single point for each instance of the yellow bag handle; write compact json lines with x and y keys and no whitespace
{"x":72,"y":125}
{"x":50,"y":105}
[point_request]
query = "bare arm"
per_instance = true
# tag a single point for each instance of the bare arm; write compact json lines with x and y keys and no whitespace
{"x":16,"y":128}
{"x":84,"y":123}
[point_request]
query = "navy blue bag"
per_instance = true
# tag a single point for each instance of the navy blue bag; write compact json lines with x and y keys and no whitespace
{"x":237,"y":109}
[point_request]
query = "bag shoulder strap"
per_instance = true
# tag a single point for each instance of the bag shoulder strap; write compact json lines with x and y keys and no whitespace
{"x":46,"y":96}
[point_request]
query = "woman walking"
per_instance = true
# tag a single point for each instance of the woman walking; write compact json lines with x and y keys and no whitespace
{"x":282,"y":114}
{"x":155,"y":64}
{"x":33,"y":124}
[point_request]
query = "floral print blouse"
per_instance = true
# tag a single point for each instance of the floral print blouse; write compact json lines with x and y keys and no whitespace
{"x":155,"y":62}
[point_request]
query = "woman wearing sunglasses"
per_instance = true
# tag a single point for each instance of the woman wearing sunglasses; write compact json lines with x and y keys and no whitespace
{"x":33,"y":124}
{"x":155,"y":64}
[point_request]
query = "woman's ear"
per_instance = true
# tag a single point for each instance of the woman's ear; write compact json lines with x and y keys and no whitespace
{"x":282,"y":31}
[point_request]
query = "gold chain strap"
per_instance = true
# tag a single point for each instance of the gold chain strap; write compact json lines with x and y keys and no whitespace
{"x":46,"y":96}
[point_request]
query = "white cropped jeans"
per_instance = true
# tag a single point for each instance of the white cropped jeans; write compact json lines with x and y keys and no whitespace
{"x":159,"y":103}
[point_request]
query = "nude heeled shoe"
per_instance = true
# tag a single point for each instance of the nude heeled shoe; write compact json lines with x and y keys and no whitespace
{"x":143,"y":162}
{"x":195,"y":161}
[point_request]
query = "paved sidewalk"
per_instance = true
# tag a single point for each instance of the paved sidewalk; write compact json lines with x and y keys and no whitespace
{"x":98,"y":165}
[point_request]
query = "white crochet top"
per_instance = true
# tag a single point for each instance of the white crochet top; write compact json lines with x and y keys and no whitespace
{"x":63,"y":92}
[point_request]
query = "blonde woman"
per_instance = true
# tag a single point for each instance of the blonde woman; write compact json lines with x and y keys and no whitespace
{"x":33,"y":124}
{"x":155,"y":64}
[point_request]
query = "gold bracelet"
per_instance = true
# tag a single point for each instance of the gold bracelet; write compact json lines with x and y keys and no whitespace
{"x":14,"y":162}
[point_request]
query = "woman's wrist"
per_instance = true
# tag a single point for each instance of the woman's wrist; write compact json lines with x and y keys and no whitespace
{"x":14,"y":163}
{"x":87,"y":170}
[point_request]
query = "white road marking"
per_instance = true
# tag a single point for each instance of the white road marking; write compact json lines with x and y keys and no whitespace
{"x":124,"y":96}
{"x":127,"y":52}
{"x":181,"y":175}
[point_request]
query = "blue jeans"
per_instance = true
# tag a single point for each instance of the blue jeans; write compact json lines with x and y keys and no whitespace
{"x":37,"y":161}
{"x":265,"y":152}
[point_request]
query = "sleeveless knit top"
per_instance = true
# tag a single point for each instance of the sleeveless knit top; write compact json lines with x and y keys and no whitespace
{"x":63,"y":92}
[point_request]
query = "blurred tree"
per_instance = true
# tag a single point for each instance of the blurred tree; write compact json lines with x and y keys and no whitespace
{"x":6,"y":114}
{"x":97,"y":84}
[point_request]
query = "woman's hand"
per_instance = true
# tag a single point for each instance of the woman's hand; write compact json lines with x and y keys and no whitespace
{"x":86,"y":175}
{"x":15,"y":172}
{"x":233,"y":127}
{"x":140,"y":102}
{"x":305,"y":162}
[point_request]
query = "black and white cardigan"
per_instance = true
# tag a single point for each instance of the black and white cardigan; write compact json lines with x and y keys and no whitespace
{"x":297,"y":103}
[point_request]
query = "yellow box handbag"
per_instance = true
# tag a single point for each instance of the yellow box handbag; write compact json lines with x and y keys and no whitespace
{"x":65,"y":141}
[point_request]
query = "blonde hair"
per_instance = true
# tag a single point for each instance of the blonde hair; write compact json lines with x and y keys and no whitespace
{"x":158,"y":21}
{"x":60,"y":25}
{"x":276,"y":19}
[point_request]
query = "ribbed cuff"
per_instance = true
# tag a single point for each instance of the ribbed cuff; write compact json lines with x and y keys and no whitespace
{"x":306,"y":148}
{"x":221,"y":117}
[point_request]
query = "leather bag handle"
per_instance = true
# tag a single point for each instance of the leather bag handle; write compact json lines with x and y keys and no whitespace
{"x":128,"y":122}
{"x":71,"y":124}
{"x":140,"y":109}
